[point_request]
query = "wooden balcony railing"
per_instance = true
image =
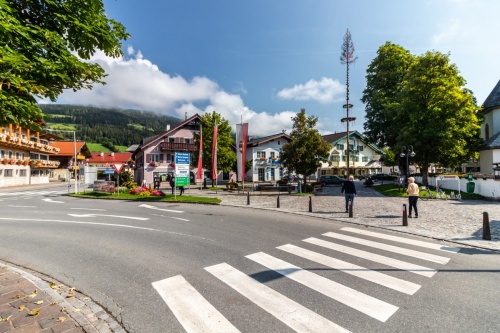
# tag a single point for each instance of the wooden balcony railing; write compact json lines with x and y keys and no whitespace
{"x":174,"y":146}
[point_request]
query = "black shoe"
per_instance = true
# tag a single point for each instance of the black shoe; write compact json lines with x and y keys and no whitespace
{"x":347,"y":211}
{"x":416,"y":216}
{"x":409,"y":216}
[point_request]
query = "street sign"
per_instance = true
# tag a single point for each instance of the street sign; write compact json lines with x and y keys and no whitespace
{"x":182,"y":161}
{"x":118,"y":167}
{"x":347,"y":105}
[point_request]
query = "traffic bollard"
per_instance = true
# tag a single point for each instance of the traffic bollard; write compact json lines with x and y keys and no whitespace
{"x":310,"y":205}
{"x":350,"y":209}
{"x":278,"y":201}
{"x":405,"y":216}
{"x":486,"y":226}
{"x":248,"y":198}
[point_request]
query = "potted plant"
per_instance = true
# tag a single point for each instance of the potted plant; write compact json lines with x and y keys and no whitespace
{"x":5,"y":161}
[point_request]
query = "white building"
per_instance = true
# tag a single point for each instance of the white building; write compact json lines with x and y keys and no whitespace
{"x":490,"y":132}
{"x":265,"y":156}
{"x":364,"y":157}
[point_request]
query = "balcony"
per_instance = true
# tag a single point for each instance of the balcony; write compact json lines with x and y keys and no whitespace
{"x":174,"y":146}
{"x":35,"y":164}
{"x":19,"y":143}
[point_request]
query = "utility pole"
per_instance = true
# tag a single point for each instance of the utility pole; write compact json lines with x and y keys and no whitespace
{"x":347,"y":57}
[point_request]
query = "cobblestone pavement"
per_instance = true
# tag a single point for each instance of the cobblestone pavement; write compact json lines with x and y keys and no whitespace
{"x":459,"y":221}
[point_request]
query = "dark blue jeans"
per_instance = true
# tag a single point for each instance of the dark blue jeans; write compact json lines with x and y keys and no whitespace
{"x":413,"y":204}
{"x":349,"y":196}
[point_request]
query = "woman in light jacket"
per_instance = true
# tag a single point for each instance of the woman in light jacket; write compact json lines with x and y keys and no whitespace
{"x":413,"y":193}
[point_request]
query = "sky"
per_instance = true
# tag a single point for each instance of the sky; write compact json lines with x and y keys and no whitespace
{"x":262,"y":61}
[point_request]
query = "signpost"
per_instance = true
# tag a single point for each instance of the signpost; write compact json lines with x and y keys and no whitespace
{"x":182,"y":169}
{"x":118,"y":167}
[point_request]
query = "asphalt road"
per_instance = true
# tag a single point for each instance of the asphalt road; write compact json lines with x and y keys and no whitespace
{"x":247,"y":270}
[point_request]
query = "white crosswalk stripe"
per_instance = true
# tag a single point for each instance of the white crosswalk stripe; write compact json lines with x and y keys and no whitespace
{"x":390,"y":248}
{"x":402,"y":240}
{"x":357,"y":300}
{"x":291,"y":313}
{"x":196,"y":314}
{"x":192,"y":310}
{"x":399,"y":264}
{"x":30,"y":194}
{"x":358,"y":271}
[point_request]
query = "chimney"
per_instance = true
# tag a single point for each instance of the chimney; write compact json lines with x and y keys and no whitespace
{"x":112,"y":154}
{"x":102,"y":154}
{"x":168,"y":127}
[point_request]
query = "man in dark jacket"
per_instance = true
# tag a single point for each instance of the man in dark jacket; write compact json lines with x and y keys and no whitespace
{"x":349,"y":188}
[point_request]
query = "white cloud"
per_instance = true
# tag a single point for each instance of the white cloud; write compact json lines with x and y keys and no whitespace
{"x":447,"y":32}
{"x":136,"y":83}
{"x":324,"y":91}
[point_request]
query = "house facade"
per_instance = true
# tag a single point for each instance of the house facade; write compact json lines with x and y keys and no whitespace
{"x":25,"y":158}
{"x":490,"y":132}
{"x":265,"y":156}
{"x":155,"y":156}
{"x":66,"y":159}
{"x":364,"y":157}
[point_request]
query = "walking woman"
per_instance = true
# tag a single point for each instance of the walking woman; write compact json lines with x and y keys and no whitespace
{"x":413,"y":193}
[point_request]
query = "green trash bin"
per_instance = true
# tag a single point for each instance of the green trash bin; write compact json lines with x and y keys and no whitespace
{"x":470,"y":187}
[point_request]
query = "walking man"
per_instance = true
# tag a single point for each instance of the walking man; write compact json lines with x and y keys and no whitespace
{"x":349,"y":188}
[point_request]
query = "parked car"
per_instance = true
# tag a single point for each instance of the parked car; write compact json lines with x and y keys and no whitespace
{"x":330,"y":180}
{"x":382,"y":176}
{"x":363,"y":176}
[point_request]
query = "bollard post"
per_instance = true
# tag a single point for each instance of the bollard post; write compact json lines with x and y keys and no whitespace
{"x":405,"y":216}
{"x":350,"y":209}
{"x":310,"y":205}
{"x":486,"y":226}
{"x":278,"y":201}
{"x":248,"y":198}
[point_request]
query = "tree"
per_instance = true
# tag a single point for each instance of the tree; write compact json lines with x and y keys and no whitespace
{"x":306,"y":149}
{"x":226,"y":157}
{"x":437,"y":115}
{"x":383,"y":79}
{"x":44,"y":45}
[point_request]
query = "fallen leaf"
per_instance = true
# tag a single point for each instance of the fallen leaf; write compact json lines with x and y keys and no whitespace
{"x":21,"y":308}
{"x":34,"y":312}
{"x":39,"y":302}
{"x":86,"y":298}
{"x":63,"y":309}
{"x":19,"y":296}
{"x":77,"y":310}
{"x":53,"y":303}
{"x":72,"y":289}
{"x":33,"y":294}
{"x":53,"y":285}
{"x":70,"y":295}
{"x":61,"y":319}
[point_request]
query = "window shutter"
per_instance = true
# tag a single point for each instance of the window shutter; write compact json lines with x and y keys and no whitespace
{"x":148,"y":158}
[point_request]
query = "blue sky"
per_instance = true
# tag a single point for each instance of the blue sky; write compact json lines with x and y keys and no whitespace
{"x":265,"y":60}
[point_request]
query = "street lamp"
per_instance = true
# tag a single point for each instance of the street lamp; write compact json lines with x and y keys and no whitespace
{"x":74,"y":146}
{"x":408,"y":152}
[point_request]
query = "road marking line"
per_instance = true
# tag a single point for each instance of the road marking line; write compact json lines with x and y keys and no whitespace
{"x":18,"y":206}
{"x":192,"y":310}
{"x":357,"y":300}
{"x":390,"y":248}
{"x":364,"y":273}
{"x":104,"y":215}
{"x":402,"y":240}
{"x":50,"y":200}
{"x":165,"y":210}
{"x":291,"y":313}
{"x":399,"y":264}
{"x":93,"y":209}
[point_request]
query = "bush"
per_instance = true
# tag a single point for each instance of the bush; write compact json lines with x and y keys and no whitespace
{"x":121,"y":189}
{"x":130,"y":184}
{"x":138,"y":190}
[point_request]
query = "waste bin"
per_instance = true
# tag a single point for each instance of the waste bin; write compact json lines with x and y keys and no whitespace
{"x":470,"y":187}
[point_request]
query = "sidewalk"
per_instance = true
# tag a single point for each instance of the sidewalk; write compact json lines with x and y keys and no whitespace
{"x":31,"y":303}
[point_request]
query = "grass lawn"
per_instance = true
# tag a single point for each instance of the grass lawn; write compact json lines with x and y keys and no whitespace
{"x":134,"y":197}
{"x":392,"y":190}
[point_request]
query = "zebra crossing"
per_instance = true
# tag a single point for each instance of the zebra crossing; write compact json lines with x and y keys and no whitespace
{"x":196,"y":314}
{"x":26,"y":195}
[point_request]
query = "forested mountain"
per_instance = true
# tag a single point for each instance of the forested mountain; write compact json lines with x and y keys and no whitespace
{"x":107,"y":126}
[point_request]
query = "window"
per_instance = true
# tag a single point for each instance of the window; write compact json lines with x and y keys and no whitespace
{"x":2,"y":153}
{"x":22,"y":173}
{"x":8,"y":173}
{"x":261,"y":154}
{"x":171,"y":140}
{"x":272,"y":154}
{"x":155,"y":157}
{"x":360,"y":148}
{"x":225,"y":175}
{"x":344,"y":158}
{"x":340,"y":146}
{"x":18,"y":155}
{"x":10,"y":154}
{"x":486,"y":132}
{"x":279,"y":143}
{"x":365,"y":158}
{"x":334,"y":158}
{"x":187,"y":140}
{"x":169,"y":158}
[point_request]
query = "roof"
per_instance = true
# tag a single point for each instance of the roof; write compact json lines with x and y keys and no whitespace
{"x":257,"y":141}
{"x":145,"y":142}
{"x":67,"y":148}
{"x":491,"y":143}
{"x":336,"y":137}
{"x":493,"y":98}
{"x":110,"y":157}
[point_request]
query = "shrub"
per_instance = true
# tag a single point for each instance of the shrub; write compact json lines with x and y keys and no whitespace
{"x":144,"y":194}
{"x":138,"y":190}
{"x":130,"y":184}
{"x":121,"y":189}
{"x":158,"y":193}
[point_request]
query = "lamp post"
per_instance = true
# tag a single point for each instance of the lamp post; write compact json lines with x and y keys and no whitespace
{"x":74,"y":147}
{"x":408,"y":152}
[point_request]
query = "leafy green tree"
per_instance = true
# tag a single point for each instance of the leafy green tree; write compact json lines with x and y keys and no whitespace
{"x":226,"y":156}
{"x":383,"y":79}
{"x":437,"y":115}
{"x":307,"y":148}
{"x":44,"y":45}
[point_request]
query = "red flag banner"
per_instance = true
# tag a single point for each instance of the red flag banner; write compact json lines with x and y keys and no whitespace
{"x":244,"y":140}
{"x":200,"y":157}
{"x":214,"y":153}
